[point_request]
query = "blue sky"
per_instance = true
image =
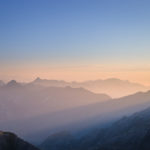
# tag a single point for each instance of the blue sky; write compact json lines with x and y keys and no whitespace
{"x":74,"y":32}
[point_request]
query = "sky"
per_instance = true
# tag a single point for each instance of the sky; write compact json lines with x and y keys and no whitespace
{"x":75,"y":39}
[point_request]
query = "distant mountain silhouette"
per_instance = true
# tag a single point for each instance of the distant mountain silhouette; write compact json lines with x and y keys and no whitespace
{"x":24,"y":106}
{"x":16,"y":98}
{"x":48,"y":83}
{"x":128,"y":133}
{"x":9,"y":141}
{"x":83,"y":117}
{"x":12,"y":84}
{"x":109,"y":86}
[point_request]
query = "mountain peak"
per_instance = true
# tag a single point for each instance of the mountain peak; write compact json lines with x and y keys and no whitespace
{"x":37,"y":79}
{"x":13,"y":83}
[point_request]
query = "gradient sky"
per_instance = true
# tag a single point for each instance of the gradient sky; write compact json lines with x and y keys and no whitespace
{"x":75,"y":39}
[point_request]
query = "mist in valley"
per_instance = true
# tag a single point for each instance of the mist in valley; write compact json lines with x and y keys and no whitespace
{"x":38,"y":109}
{"x":74,"y":75}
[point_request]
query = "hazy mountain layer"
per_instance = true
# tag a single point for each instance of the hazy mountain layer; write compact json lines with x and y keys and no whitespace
{"x":128,"y":133}
{"x":109,"y":86}
{"x":78,"y":119}
{"x":35,"y":111}
{"x":19,"y":101}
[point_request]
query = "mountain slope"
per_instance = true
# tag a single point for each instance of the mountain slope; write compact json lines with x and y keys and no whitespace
{"x":145,"y":143}
{"x":85,"y":117}
{"x":9,"y":141}
{"x":16,"y":98}
{"x":109,"y":86}
{"x":60,"y":108}
{"x":12,"y":84}
{"x":128,"y":133}
{"x":113,"y":85}
{"x":59,"y":141}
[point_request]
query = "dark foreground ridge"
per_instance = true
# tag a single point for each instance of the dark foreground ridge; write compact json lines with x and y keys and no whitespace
{"x":9,"y":141}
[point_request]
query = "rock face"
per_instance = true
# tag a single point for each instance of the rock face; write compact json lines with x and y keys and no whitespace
{"x":9,"y":141}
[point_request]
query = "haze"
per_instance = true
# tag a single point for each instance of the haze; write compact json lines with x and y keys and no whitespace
{"x":75,"y":74}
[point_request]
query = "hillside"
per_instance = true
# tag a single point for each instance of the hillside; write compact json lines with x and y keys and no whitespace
{"x":128,"y":133}
{"x":84,"y":117}
{"x":9,"y":141}
{"x":16,"y":98}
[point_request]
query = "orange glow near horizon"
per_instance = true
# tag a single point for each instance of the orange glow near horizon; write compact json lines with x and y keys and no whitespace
{"x":75,"y":73}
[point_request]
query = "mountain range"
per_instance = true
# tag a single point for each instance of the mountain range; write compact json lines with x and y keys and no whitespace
{"x":86,"y":117}
{"x":109,"y":86}
{"x":79,"y":118}
{"x":16,"y":98}
{"x":23,"y":106}
{"x":128,"y":133}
